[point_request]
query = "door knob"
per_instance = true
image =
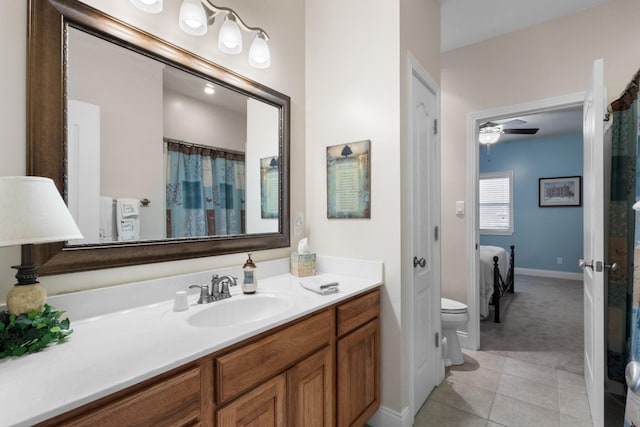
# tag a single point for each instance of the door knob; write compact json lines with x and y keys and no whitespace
{"x":612,"y":267}
{"x":419,"y":262}
{"x":583,"y":264}
{"x":632,"y":375}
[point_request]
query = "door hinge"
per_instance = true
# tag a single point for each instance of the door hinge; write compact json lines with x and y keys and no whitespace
{"x":435,"y":126}
{"x":437,"y":339}
{"x":436,"y":233}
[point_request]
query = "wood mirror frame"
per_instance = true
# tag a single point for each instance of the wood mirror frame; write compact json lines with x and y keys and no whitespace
{"x":46,"y":134}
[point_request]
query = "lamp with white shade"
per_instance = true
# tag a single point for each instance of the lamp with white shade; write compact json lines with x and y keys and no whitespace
{"x":196,"y":15}
{"x":31,"y":212}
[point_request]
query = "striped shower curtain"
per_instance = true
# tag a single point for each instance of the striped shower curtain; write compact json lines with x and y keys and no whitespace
{"x":627,"y":126}
{"x":205,"y":191}
{"x":621,"y":236}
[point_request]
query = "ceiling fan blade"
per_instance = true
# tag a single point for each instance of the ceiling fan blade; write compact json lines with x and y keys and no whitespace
{"x":514,"y":122}
{"x":487,"y":124}
{"x":529,"y":131}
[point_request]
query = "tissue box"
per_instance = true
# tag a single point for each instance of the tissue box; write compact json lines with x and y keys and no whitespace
{"x":303,"y":264}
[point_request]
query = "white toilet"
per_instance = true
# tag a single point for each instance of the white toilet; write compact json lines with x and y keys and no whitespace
{"x":454,"y":315}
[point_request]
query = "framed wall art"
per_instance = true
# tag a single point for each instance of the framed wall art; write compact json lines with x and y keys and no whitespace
{"x":348,"y":180}
{"x":560,"y":191}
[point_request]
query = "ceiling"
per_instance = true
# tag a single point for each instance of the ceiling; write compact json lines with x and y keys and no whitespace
{"x":461,"y":26}
{"x":464,"y":22}
{"x":550,"y":123}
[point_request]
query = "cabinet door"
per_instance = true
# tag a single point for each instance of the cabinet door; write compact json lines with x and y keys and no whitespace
{"x":263,"y":406}
{"x":310,"y":391}
{"x":359,"y":375}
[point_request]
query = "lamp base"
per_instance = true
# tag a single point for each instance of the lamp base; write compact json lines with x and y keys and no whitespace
{"x":26,"y":298}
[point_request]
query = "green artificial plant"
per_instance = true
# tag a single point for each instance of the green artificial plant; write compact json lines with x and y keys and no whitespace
{"x":31,"y":332}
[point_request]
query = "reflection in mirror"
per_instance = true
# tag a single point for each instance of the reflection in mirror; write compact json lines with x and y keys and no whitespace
{"x":157,"y":153}
{"x":126,"y":154}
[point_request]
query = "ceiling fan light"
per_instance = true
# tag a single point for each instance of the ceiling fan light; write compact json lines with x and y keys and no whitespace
{"x":149,"y":6}
{"x":488,"y":136}
{"x":193,"y":18}
{"x":229,"y":37}
{"x":259,"y":54}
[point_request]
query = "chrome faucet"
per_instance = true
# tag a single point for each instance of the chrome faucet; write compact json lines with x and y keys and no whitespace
{"x":219,"y":289}
{"x":220,"y":286}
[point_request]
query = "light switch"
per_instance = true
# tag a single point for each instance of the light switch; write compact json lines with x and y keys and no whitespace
{"x":460,"y":208}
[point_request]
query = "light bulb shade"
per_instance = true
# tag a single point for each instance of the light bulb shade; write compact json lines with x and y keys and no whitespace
{"x":488,"y":137}
{"x":193,"y":18}
{"x":32,"y":211}
{"x":259,"y":54}
{"x":149,"y":6}
{"x":489,"y":134}
{"x":229,"y":37}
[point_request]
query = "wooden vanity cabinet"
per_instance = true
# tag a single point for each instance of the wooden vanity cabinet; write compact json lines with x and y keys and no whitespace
{"x":168,"y":400}
{"x":319,"y":371}
{"x":358,"y":360}
{"x":302,"y":396}
{"x":302,"y":356}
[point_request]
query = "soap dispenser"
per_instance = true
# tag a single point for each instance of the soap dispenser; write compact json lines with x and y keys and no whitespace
{"x":250,"y":279}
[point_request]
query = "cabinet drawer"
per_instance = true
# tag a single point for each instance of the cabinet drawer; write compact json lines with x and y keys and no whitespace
{"x":358,"y":312}
{"x":171,"y":402}
{"x":241,"y":369}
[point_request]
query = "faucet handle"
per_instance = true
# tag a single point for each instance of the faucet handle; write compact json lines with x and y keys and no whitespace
{"x":215,"y":285}
{"x":204,"y":293}
{"x":225,"y":283}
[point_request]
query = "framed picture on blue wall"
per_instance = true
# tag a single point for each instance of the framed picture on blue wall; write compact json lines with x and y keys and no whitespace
{"x":560,"y":191}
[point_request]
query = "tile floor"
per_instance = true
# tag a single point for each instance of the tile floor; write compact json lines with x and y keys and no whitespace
{"x":491,"y":390}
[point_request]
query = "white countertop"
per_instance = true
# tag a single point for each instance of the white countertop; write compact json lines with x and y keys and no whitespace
{"x":119,"y":341}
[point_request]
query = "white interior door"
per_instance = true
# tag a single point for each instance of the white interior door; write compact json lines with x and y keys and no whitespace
{"x":425,"y":176}
{"x":592,"y":264}
{"x":83,"y":168}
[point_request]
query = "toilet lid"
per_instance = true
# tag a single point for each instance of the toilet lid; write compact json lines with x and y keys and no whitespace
{"x":450,"y":306}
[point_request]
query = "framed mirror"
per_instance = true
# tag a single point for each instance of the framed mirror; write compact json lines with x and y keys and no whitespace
{"x":141,"y":100}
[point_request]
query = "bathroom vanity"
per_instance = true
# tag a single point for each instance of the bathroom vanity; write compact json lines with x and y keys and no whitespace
{"x":314,"y":360}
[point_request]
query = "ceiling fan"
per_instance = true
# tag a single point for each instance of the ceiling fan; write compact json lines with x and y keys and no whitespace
{"x":490,"y":131}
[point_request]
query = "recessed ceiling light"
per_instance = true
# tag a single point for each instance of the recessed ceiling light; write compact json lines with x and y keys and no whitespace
{"x":209,"y":90}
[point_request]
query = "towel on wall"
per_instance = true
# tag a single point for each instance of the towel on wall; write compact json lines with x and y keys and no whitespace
{"x":106,"y":219}
{"x":128,"y":207}
{"x":127,"y":220}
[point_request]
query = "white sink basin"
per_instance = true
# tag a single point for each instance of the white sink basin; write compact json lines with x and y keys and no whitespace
{"x":239,"y":310}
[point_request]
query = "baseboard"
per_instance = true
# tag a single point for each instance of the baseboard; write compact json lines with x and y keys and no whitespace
{"x":386,"y":417}
{"x":548,"y":273}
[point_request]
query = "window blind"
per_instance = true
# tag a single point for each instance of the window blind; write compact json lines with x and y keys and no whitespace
{"x":495,"y":203}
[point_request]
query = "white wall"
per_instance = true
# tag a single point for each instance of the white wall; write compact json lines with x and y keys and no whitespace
{"x":543,"y":61}
{"x":262,"y":141}
{"x":282,"y":19}
{"x":131,"y":156}
{"x":13,"y":19}
{"x":355,"y":90}
{"x":191,"y":120}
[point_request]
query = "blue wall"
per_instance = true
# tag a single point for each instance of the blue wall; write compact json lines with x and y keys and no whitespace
{"x":541,"y":235}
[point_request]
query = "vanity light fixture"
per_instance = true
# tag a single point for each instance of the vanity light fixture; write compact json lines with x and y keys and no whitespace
{"x":193,"y":18}
{"x":31,"y":212}
{"x":149,"y":6}
{"x":209,"y":89}
{"x":230,"y":37}
{"x":197,"y":15}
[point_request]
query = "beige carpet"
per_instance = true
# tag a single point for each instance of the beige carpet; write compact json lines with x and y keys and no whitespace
{"x":542,"y":323}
